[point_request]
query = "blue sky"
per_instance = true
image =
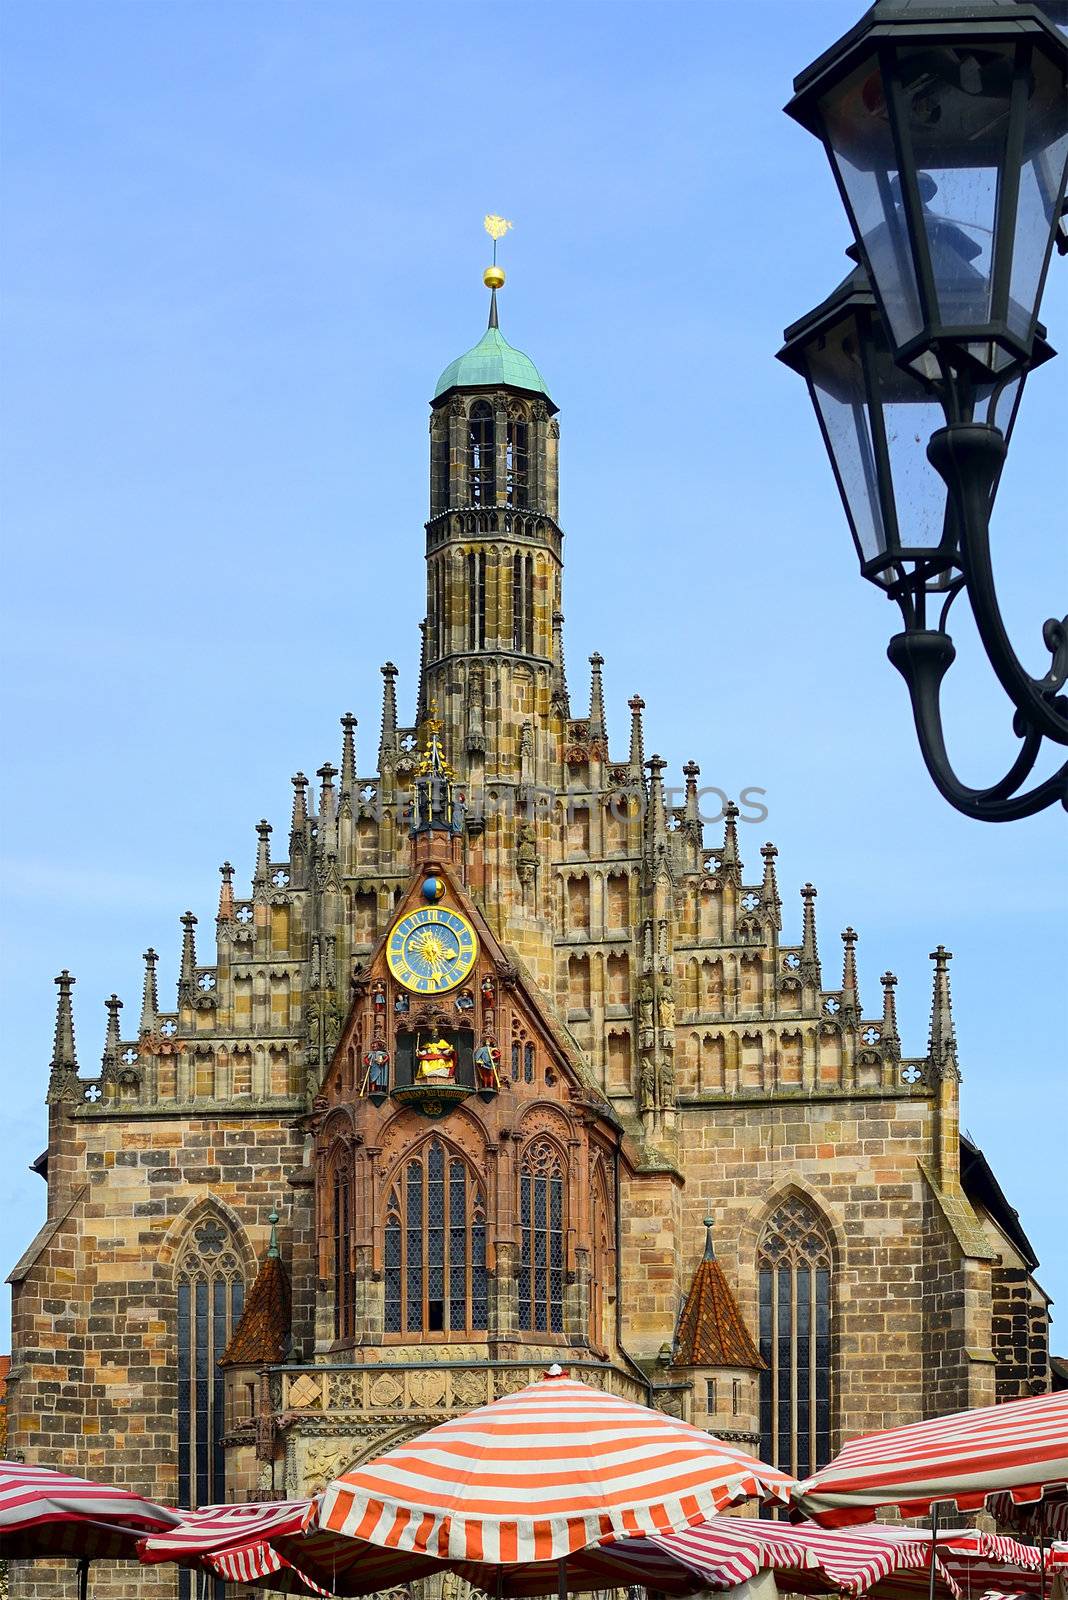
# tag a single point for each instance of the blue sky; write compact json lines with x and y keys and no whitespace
{"x":241,"y":241}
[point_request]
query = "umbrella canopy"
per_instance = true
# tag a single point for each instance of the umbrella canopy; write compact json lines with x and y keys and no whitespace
{"x":815,"y":1560}
{"x":1019,"y":1448}
{"x":47,"y":1513}
{"x":269,"y":1544}
{"x":540,"y":1474}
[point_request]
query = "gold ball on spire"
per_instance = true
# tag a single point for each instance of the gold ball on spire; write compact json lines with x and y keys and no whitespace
{"x":493,"y":277}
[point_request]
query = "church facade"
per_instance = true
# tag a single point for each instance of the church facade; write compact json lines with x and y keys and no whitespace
{"x":500,"y":1060}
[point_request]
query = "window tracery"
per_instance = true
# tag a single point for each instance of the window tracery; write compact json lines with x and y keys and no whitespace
{"x":541,"y":1217}
{"x":517,"y":458}
{"x":435,"y":1246}
{"x":795,"y":1262}
{"x":209,"y":1277}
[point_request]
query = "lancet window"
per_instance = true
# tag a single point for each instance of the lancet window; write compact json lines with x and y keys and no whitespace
{"x":523,"y":603}
{"x":795,"y":1265}
{"x":541,"y":1216}
{"x":435,"y":1246}
{"x":517,"y":460}
{"x":341,"y":1245}
{"x":481,"y":450}
{"x":476,"y":603}
{"x":210,"y":1292}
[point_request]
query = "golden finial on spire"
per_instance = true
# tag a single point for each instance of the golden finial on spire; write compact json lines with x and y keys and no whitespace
{"x":496,"y":227}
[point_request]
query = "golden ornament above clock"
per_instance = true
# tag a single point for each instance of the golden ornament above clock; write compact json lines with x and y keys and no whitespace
{"x":431,"y":950}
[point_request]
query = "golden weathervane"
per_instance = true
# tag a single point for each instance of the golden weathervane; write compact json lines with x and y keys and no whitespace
{"x":496,"y":227}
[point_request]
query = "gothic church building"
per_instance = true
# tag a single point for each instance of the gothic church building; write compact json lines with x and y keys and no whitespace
{"x":450,"y":1090}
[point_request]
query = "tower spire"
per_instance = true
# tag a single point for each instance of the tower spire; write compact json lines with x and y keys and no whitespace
{"x":942,"y":1042}
{"x":597,"y":728}
{"x":656,"y":831}
{"x":387,"y":744}
{"x":150,"y":993}
{"x":691,"y":772}
{"x":728,"y":856}
{"x":63,"y":1071}
{"x":493,"y":277}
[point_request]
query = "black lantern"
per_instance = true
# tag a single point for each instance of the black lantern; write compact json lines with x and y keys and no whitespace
{"x":876,"y":419}
{"x":946,"y":125}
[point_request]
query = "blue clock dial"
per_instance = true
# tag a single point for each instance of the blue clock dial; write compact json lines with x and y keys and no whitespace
{"x":432,"y":950}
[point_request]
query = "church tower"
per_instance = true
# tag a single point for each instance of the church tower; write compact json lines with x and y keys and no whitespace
{"x":494,"y":563}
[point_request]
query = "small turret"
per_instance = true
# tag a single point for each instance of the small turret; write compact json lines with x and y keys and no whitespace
{"x":729,"y":859}
{"x":109,"y":1063}
{"x":226,"y":893}
{"x":691,"y":772}
{"x":149,"y":994}
{"x":769,"y":888}
{"x":63,"y":1071}
{"x":327,"y":837}
{"x":850,"y":1012}
{"x":387,"y":744}
{"x":942,"y":1041}
{"x":810,"y":956}
{"x":597,"y":723}
{"x":348,"y":755}
{"x":263,"y":854}
{"x":637,"y":740}
{"x":712,"y":1338}
{"x":188,"y":967}
{"x":656,"y":819}
{"x":888,"y":1034}
{"x":560,"y":697}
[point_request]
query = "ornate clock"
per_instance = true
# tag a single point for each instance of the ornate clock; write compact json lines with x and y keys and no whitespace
{"x":432,"y":950}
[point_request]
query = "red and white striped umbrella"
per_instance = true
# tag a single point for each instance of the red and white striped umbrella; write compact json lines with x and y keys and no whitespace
{"x":1019,"y":1448}
{"x":732,"y":1550}
{"x":268,"y":1544}
{"x":540,"y":1474}
{"x":48,"y":1513}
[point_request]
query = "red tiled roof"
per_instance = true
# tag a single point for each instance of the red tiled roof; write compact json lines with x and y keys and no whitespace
{"x":262,"y":1333}
{"x":711,"y":1332}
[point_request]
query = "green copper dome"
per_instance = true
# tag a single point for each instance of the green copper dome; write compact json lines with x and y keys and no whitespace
{"x":492,"y":363}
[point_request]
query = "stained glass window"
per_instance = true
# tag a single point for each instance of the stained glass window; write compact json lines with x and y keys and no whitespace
{"x":794,"y":1264}
{"x":435,"y":1246}
{"x":481,"y":449}
{"x":541,"y":1216}
{"x":210,"y":1285}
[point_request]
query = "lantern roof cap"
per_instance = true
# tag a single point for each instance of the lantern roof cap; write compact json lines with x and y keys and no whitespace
{"x":492,"y":364}
{"x":959,"y":20}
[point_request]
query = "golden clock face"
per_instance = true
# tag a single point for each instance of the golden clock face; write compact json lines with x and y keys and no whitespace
{"x":431,"y":950}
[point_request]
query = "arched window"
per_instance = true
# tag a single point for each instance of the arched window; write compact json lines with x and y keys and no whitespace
{"x":435,"y":1246}
{"x":210,"y":1288}
{"x":794,"y":1262}
{"x":541,"y":1217}
{"x":341,"y":1243}
{"x":523,"y":603}
{"x":517,"y":459}
{"x":481,"y":449}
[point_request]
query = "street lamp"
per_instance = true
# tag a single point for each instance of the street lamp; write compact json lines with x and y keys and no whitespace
{"x":946,"y":124}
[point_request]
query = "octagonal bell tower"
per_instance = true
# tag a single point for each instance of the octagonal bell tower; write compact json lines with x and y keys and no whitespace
{"x":492,"y":656}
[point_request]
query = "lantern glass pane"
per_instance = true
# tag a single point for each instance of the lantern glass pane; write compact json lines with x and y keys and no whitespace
{"x":1042,"y":180}
{"x":858,"y":135}
{"x":956,"y":105}
{"x":912,"y":499}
